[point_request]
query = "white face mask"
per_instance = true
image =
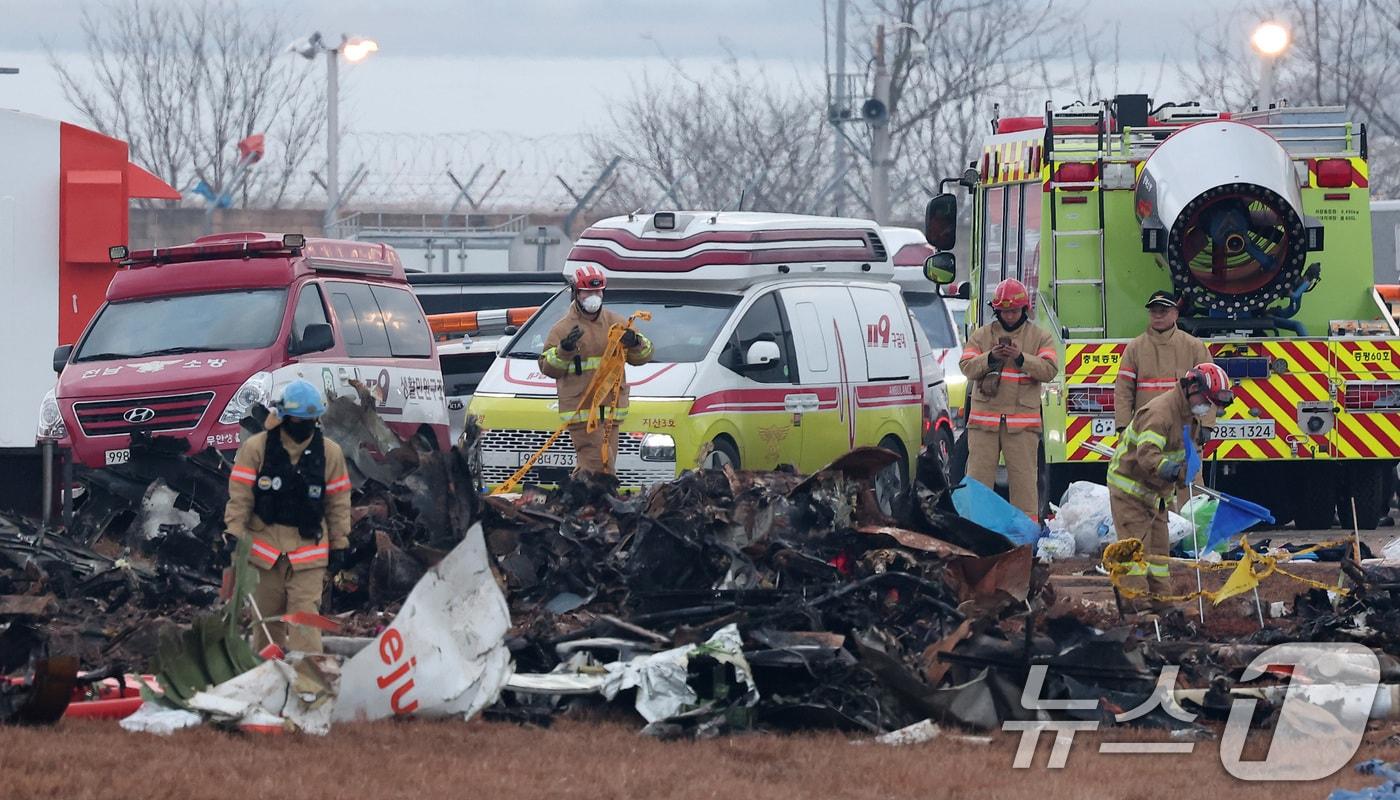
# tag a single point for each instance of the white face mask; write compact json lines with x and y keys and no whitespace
{"x":591,"y":303}
{"x":1201,"y":409}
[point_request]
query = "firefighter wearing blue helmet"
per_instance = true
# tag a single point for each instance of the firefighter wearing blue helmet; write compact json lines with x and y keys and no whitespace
{"x":290,"y":493}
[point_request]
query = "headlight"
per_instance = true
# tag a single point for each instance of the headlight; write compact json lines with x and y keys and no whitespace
{"x":50,"y":419}
{"x":658,"y":447}
{"x":257,"y":389}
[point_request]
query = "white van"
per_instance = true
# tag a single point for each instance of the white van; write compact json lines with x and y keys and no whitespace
{"x":778,"y":339}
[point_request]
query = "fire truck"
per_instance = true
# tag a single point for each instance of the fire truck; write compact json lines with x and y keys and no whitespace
{"x":1260,"y":222}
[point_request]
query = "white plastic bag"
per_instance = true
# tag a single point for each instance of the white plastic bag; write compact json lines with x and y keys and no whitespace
{"x":1055,"y":544}
{"x":1083,"y":515}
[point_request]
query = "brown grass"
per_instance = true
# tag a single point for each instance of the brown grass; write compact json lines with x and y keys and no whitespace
{"x":592,"y":760}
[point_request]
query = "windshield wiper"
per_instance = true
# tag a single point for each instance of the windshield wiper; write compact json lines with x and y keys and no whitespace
{"x":103,"y":357}
{"x":522,"y":354}
{"x":171,"y":351}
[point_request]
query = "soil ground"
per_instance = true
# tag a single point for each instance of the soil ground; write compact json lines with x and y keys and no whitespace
{"x":601,"y":758}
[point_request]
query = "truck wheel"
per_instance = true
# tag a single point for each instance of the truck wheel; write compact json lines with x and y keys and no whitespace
{"x":1364,"y":484}
{"x":1317,"y":500}
{"x":722,"y":453}
{"x":892,"y":484}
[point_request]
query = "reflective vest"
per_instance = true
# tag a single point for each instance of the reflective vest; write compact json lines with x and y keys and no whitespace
{"x":1153,"y":436}
{"x":292,"y":494}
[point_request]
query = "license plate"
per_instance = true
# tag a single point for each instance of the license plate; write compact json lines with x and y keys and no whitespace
{"x":1243,"y":429}
{"x":550,"y":459}
{"x":115,"y":457}
{"x":1101,"y":426}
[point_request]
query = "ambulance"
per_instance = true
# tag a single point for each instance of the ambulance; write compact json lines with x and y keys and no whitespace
{"x":779,"y":339}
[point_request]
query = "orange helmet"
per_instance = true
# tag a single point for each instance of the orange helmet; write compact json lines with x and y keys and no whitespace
{"x":1010,"y":294}
{"x":589,"y":277}
{"x":1212,"y":381}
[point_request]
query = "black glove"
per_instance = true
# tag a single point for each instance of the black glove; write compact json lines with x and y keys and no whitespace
{"x":630,"y":339}
{"x":336,"y":562}
{"x":227,"y":547}
{"x":571,"y":341}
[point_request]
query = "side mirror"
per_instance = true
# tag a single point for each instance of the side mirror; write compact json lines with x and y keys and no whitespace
{"x":941,"y":221}
{"x":761,"y":354}
{"x":316,"y":338}
{"x":965,"y":290}
{"x":60,"y":357}
{"x":969,"y":178}
{"x":941,"y":268}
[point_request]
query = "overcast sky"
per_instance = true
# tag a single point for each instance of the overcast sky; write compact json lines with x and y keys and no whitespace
{"x":535,"y":73}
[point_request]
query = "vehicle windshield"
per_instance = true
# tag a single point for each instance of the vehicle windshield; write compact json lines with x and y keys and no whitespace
{"x":932,"y":314}
{"x":187,"y":323}
{"x":683,"y":324}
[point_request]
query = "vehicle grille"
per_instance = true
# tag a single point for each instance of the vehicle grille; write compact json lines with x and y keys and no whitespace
{"x":631,"y":470}
{"x":176,"y":412}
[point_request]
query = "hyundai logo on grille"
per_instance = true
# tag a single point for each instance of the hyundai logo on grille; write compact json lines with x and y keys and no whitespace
{"x":136,"y":416}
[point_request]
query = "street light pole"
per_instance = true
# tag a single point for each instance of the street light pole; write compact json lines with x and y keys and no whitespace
{"x":332,"y":138}
{"x":1269,"y":40}
{"x":880,"y":137}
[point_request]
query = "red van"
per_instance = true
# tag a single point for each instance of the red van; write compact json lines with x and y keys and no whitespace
{"x":190,"y":337}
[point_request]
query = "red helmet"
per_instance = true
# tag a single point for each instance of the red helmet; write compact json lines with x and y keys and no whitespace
{"x":589,"y":277}
{"x":1212,"y":381}
{"x":1010,"y":294}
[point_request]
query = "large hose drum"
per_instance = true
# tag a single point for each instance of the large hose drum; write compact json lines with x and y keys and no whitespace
{"x":1219,"y":204}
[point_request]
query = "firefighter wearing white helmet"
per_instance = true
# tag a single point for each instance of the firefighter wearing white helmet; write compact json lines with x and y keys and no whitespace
{"x":290,"y":493}
{"x":1005,"y":362}
{"x":572,"y":354}
{"x":1149,"y":466}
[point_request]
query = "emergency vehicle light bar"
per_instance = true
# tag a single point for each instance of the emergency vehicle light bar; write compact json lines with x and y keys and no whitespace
{"x":264,"y":248}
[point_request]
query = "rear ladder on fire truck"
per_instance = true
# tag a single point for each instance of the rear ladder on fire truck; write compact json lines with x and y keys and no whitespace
{"x":1081,"y":272}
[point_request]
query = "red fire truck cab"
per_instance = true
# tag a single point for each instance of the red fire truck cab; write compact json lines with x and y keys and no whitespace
{"x":191,"y":337}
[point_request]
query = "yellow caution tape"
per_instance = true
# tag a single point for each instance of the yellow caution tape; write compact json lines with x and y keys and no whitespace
{"x":1128,"y":555}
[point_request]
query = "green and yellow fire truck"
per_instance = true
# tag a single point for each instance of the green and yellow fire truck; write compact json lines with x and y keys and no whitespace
{"x":1259,"y":221}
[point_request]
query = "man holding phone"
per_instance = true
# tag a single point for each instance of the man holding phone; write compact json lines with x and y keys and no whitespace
{"x":1006,"y":361}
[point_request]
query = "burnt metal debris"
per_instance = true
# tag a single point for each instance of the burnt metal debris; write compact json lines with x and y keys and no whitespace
{"x":720,"y":601}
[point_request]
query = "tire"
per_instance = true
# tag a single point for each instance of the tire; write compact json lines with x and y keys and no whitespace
{"x":722,"y":452}
{"x":1364,"y":482}
{"x":892,"y":484}
{"x":1317,"y":500}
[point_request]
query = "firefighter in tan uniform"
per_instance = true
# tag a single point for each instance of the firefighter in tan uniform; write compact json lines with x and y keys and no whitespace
{"x":1154,"y":362}
{"x":1006,"y":361}
{"x":1149,"y":466}
{"x":290,"y":492}
{"x":572,"y":353}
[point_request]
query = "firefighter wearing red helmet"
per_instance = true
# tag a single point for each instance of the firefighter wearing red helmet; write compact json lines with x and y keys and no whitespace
{"x":572,"y":353}
{"x":1005,"y":362}
{"x":1149,"y":467}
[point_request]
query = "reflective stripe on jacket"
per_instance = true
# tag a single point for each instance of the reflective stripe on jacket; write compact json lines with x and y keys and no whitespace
{"x":1154,"y":435}
{"x":573,"y":371}
{"x":1017,"y":397}
{"x":1151,"y":364}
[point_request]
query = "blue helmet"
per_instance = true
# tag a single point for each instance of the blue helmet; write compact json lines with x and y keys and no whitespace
{"x":301,"y":400}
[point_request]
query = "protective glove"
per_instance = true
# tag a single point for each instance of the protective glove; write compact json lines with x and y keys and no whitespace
{"x":1169,"y":469}
{"x":336,"y":562}
{"x":630,"y":339}
{"x":571,"y":341}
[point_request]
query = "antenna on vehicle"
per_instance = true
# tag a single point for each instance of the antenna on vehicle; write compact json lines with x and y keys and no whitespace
{"x":631,"y":215}
{"x":714,"y":218}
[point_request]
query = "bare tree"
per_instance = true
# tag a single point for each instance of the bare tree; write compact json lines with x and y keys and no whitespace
{"x":732,"y":140}
{"x":1344,"y":52}
{"x":184,"y":83}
